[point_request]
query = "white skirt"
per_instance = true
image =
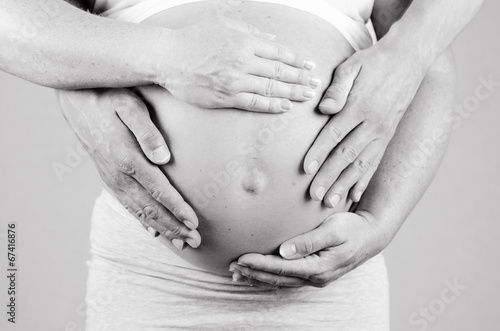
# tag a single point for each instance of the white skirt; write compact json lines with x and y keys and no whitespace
{"x":137,"y":283}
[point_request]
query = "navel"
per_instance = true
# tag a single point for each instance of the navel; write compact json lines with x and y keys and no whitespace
{"x":254,"y":181}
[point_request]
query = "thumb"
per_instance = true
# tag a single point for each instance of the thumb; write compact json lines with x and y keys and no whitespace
{"x":313,"y":241}
{"x":136,"y":117}
{"x":336,"y":95}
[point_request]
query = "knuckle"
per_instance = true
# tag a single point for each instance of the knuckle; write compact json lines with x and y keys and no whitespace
{"x":157,"y":193}
{"x":127,"y":165}
{"x":270,"y":88}
{"x":150,"y":136}
{"x":329,"y":177}
{"x":279,"y":270}
{"x":335,"y":133}
{"x":343,"y":70}
{"x":278,"y":70}
{"x":238,"y":61}
{"x":334,"y":91}
{"x":223,"y":83}
{"x":150,"y":212}
{"x":363,"y":165}
{"x":280,"y":53}
{"x":348,"y":153}
{"x":302,"y":76}
{"x":274,"y":282}
{"x":115,"y":178}
{"x":308,"y":244}
{"x":173,"y":230}
{"x":253,"y":103}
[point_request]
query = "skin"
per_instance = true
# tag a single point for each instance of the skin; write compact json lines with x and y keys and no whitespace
{"x":254,"y":201}
{"x":346,"y":240}
{"x":349,"y":161}
{"x":372,"y":90}
{"x":72,"y":49}
{"x":361,"y":58}
{"x":110,"y":53}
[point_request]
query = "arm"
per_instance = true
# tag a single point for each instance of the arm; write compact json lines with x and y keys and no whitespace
{"x":369,"y":103}
{"x":427,"y":27}
{"x":119,"y":119}
{"x":346,"y":240}
{"x":105,"y":121}
{"x":64,"y":47}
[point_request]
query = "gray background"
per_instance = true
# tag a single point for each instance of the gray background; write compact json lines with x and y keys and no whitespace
{"x":452,"y":236}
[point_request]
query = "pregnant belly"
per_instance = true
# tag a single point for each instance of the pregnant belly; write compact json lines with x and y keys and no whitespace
{"x":242,"y":171}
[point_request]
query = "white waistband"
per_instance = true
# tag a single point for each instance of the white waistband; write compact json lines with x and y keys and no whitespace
{"x":356,"y":33}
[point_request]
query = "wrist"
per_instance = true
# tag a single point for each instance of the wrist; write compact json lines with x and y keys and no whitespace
{"x":384,"y":232}
{"x":412,"y":48}
{"x":162,"y":61}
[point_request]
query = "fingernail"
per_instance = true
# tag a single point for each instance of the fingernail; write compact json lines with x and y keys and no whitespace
{"x":161,"y":155}
{"x":334,"y":200}
{"x":313,"y":167}
{"x":358,"y":196}
{"x":242,"y":264}
{"x":309,"y":94}
{"x":286,"y":105}
{"x":288,"y":250}
{"x":320,"y":192}
{"x":189,"y":224}
{"x":309,"y":64}
{"x":194,"y":243}
{"x":153,"y":232}
{"x":179,"y":244}
{"x":314,"y":81}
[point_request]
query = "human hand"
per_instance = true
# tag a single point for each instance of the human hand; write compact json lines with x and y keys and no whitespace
{"x":113,"y":125}
{"x":341,"y":243}
{"x":369,"y":94}
{"x":224,"y":63}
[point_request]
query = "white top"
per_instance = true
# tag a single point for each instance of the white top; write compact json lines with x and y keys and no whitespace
{"x":350,"y":17}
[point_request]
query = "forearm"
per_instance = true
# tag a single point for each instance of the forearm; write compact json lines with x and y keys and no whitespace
{"x":415,"y":153}
{"x":426,"y":29}
{"x":74,"y":49}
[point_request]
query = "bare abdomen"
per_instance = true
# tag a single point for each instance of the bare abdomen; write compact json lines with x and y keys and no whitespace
{"x":242,"y":171}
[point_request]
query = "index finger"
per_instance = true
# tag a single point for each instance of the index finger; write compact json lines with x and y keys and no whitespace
{"x":277,"y":52}
{"x":337,"y":128}
{"x":160,"y":188}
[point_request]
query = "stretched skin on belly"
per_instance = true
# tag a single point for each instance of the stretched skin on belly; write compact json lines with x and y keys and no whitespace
{"x":241,"y":171}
